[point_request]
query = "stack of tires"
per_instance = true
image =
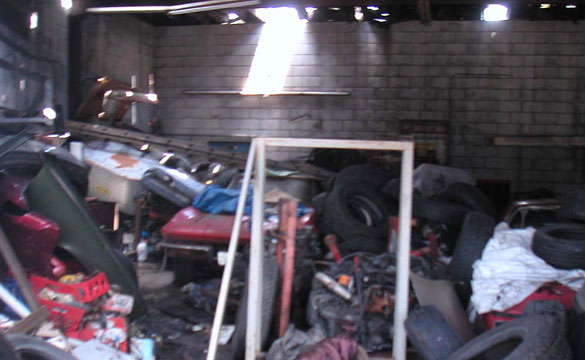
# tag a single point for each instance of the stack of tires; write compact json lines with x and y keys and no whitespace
{"x":355,"y":210}
{"x":540,"y":334}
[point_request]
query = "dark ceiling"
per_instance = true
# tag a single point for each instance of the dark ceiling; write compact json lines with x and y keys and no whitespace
{"x":343,"y":10}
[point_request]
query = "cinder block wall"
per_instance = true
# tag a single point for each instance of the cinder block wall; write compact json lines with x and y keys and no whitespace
{"x":34,"y":65}
{"x":487,"y":79}
{"x":118,"y":47}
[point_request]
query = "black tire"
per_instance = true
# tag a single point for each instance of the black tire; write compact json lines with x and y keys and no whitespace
{"x":561,"y":245}
{"x":28,"y":164}
{"x":370,"y":175}
{"x":430,"y":335}
{"x":354,"y":212}
{"x":32,"y":348}
{"x":477,"y":229}
{"x":537,"y":336}
{"x":127,"y":264}
{"x":6,"y":349}
{"x":573,"y":206}
{"x":269,"y":290}
{"x":470,"y":197}
{"x":184,"y":270}
{"x":439,"y":210}
{"x":548,"y":307}
{"x":318,"y":203}
{"x":392,"y":189}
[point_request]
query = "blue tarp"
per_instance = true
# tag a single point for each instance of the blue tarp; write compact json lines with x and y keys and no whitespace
{"x":218,"y":200}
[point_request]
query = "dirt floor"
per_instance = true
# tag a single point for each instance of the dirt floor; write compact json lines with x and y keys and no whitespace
{"x":170,"y":321}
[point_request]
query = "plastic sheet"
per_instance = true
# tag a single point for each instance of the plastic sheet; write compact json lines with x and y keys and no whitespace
{"x":509,"y":271}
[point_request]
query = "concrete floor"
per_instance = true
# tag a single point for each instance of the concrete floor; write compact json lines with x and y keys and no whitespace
{"x":170,"y":320}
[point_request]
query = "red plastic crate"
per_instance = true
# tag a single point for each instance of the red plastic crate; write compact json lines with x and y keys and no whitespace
{"x":548,"y":291}
{"x":84,"y":292}
{"x":65,"y":317}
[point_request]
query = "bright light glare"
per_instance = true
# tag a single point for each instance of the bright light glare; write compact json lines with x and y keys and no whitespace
{"x":33,"y":20}
{"x":144,"y":147}
{"x":152,"y":97}
{"x":373,"y":8}
{"x":216,"y":169}
{"x":495,"y":12}
{"x":545,"y":6}
{"x":280,"y":34}
{"x":233,"y":16}
{"x":334,"y":8}
{"x":310,"y":10}
{"x":358,"y":14}
{"x":129,"y":93}
{"x":571,"y":6}
{"x":385,"y":14}
{"x":380,"y":20}
{"x":66,"y":4}
{"x":49,"y":113}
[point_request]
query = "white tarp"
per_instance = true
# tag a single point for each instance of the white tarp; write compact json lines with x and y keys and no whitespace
{"x":509,"y":271}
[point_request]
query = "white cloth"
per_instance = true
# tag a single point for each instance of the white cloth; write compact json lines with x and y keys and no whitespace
{"x":509,"y":271}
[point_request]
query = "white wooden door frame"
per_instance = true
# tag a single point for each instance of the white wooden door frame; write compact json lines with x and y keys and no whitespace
{"x":257,"y":155}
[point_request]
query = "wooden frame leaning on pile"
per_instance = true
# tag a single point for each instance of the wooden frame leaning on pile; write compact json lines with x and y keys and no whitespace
{"x":257,"y":160}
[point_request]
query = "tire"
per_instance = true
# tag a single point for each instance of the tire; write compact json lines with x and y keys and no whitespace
{"x":127,"y":264}
{"x":477,"y":229}
{"x":439,"y":210}
{"x":318,"y":203}
{"x":225,"y":177}
{"x":392,"y":189}
{"x":354,"y":212}
{"x":269,"y":290}
{"x":430,"y":335}
{"x":28,"y":164}
{"x":573,"y":206}
{"x":537,"y":335}
{"x":184,"y":270}
{"x":6,"y":349}
{"x":32,"y":348}
{"x":363,"y":174}
{"x":561,"y":245}
{"x":470,"y":197}
{"x":548,"y":307}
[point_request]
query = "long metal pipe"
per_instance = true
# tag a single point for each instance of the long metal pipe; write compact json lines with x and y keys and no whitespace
{"x":231,"y":256}
{"x":145,"y":9}
{"x":19,"y":308}
{"x":230,"y":5}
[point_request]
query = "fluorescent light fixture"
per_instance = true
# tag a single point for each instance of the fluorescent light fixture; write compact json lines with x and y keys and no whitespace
{"x":358,"y":14}
{"x":33,"y":20}
{"x":334,"y":8}
{"x":49,"y":113}
{"x":127,"y":9}
{"x":385,"y":14}
{"x":66,"y":4}
{"x":153,"y":8}
{"x":233,"y":16}
{"x":230,"y":5}
{"x":373,"y":8}
{"x":571,"y":6}
{"x":280,"y":34}
{"x":380,"y":20}
{"x":545,"y":6}
{"x":495,"y":12}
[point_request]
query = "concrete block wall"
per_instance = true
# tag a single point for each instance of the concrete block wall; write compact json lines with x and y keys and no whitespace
{"x":486,"y":79}
{"x":118,"y":47}
{"x":33,"y":72}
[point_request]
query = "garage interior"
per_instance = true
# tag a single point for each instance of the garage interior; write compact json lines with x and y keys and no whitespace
{"x":391,"y":179}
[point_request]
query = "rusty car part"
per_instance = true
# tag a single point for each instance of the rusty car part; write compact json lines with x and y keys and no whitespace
{"x":523,"y":207}
{"x":331,"y":242}
{"x":380,"y":300}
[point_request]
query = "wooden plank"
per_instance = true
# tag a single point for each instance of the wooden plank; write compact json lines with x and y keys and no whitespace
{"x":540,"y":141}
{"x":31,"y":322}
